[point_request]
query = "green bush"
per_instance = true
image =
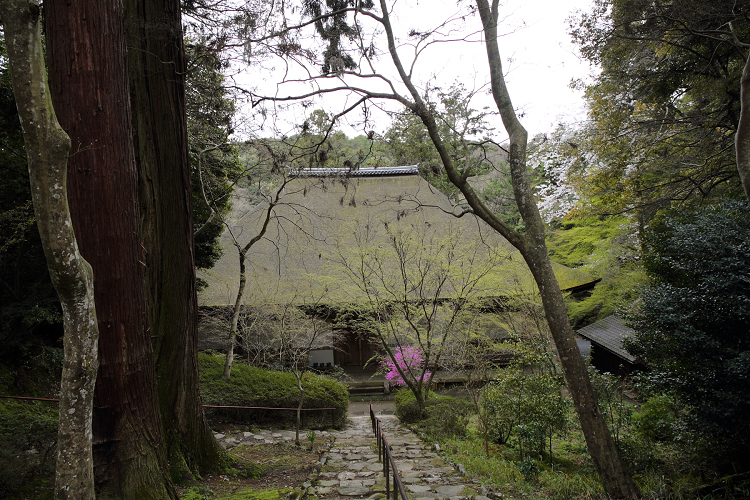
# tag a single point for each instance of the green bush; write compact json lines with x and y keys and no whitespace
{"x":446,"y":417}
{"x":530,"y":407}
{"x":657,"y":419}
{"x":251,"y":386}
{"x":443,"y":416}
{"x":28,"y":441}
{"x":407,"y":409}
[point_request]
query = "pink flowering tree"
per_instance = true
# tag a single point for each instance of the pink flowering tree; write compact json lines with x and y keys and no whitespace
{"x":406,"y":363}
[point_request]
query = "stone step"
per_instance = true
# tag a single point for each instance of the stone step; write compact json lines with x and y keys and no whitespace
{"x":351,"y":469}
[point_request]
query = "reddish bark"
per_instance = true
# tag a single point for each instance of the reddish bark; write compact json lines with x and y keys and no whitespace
{"x":89,"y":84}
{"x":157,"y":82}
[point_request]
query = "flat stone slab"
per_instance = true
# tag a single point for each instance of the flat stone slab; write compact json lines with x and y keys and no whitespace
{"x":450,"y":491}
{"x":418,"y":488}
{"x":354,"y":491}
{"x":351,"y":482}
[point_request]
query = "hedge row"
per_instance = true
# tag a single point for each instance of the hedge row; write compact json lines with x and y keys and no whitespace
{"x":251,"y":386}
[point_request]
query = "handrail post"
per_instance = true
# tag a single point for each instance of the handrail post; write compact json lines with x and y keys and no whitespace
{"x":386,"y":455}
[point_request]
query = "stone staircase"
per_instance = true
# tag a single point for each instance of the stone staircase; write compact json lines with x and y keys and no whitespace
{"x":351,"y":469}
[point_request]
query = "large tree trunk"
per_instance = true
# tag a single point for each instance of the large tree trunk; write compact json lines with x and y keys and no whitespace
{"x":156,"y":63}
{"x":47,"y":147}
{"x":89,"y":83}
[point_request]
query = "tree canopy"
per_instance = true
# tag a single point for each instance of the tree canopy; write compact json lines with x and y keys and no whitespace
{"x":666,"y":105}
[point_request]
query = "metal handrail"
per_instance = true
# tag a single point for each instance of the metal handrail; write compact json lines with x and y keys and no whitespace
{"x":386,"y":457}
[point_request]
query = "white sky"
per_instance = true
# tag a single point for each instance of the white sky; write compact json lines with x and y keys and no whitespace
{"x":538,"y":57}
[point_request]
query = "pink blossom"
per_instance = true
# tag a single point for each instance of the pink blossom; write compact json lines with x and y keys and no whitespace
{"x":408,"y":359}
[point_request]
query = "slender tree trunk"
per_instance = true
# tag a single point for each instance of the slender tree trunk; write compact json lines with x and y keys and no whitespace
{"x":156,"y":65}
{"x":742,"y":137}
{"x":612,"y":473}
{"x":242,"y":251}
{"x":298,"y":423}
{"x":89,"y":83}
{"x":235,"y":319}
{"x":47,"y":147}
{"x":615,"y":479}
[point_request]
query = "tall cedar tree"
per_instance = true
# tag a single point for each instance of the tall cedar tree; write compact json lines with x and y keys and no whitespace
{"x":156,"y":60}
{"x":89,"y":83}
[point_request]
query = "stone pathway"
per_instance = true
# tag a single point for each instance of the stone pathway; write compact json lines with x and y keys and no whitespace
{"x":350,"y":469}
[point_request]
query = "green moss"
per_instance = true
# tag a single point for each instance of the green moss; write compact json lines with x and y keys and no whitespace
{"x":276,"y":494}
{"x":26,"y":426}
{"x":605,"y":247}
{"x":178,"y":467}
{"x":577,"y":241}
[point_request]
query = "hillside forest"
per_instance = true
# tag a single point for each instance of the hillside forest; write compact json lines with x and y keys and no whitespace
{"x":126,"y":141}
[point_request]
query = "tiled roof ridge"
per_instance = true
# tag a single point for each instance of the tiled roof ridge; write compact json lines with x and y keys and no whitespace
{"x":356,"y":172}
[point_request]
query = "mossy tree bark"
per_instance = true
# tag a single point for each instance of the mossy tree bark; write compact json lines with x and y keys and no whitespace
{"x":47,"y":147}
{"x":89,"y":85}
{"x":156,"y":62}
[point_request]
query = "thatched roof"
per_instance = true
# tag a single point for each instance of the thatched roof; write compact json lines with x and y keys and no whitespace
{"x":324,"y":219}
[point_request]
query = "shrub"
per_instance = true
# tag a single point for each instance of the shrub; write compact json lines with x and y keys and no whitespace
{"x":530,"y":406}
{"x":657,"y":419}
{"x":250,"y":386}
{"x":446,"y":417}
{"x":443,"y":417}
{"x":691,"y":329}
{"x":407,"y":409}
{"x":28,"y":440}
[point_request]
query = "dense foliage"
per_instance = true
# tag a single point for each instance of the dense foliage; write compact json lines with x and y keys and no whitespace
{"x":29,"y":309}
{"x":665,"y":106}
{"x":693,"y":326}
{"x":214,"y":159}
{"x":530,"y":408}
{"x":250,"y":386}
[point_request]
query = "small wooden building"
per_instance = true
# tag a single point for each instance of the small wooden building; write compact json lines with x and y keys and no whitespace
{"x":607,"y":351}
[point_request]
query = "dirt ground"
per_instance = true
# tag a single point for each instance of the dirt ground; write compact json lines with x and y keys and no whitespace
{"x":358,"y":409}
{"x":263,"y":471}
{"x":269,"y":471}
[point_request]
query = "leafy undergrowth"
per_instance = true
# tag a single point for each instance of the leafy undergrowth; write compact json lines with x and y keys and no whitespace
{"x":262,"y":472}
{"x":570,"y":474}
